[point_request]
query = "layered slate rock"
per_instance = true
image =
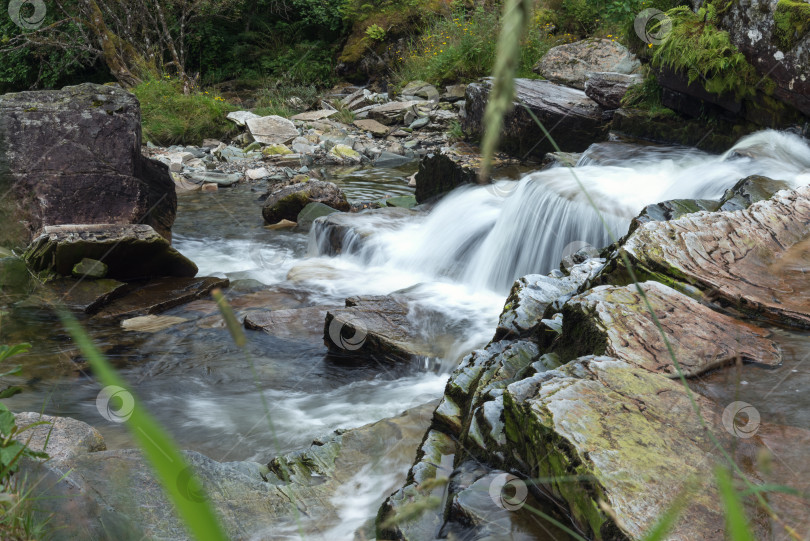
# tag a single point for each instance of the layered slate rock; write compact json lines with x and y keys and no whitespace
{"x":607,"y":88}
{"x":376,"y":327}
{"x":299,"y":323}
{"x":753,"y":260}
{"x":130,"y":252}
{"x":615,"y":321}
{"x":73,"y":156}
{"x":532,"y":294}
{"x":286,"y":203}
{"x":570,"y":64}
{"x":96,"y":494}
{"x":573,"y":119}
{"x":632,"y":439}
{"x":159,"y":295}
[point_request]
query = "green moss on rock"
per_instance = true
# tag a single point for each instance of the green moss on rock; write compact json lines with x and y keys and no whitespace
{"x":792,"y":18}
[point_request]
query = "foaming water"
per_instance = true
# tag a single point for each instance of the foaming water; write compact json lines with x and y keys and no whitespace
{"x":487,"y":236}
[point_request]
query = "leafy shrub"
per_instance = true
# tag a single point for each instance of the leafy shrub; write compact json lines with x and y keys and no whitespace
{"x":463,"y":47}
{"x":16,"y":520}
{"x":375,"y":32}
{"x":168,"y":116}
{"x":704,"y":53}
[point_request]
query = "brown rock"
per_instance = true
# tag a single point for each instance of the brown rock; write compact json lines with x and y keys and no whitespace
{"x":614,"y":321}
{"x":73,"y":156}
{"x":160,"y":295}
{"x":753,"y":260}
{"x":377,"y":129}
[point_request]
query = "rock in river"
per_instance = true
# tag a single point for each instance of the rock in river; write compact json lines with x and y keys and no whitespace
{"x":573,"y":119}
{"x":286,"y":203}
{"x":130,"y":252}
{"x":614,"y":321}
{"x":73,"y":156}
{"x":753,"y":260}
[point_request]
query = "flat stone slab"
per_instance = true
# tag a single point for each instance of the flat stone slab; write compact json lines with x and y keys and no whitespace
{"x":374,"y":326}
{"x":371,"y":125}
{"x":129,"y":251}
{"x":753,"y":260}
{"x":614,"y":321}
{"x":272,"y":130}
{"x":151,"y":323}
{"x":213,"y":177}
{"x":160,"y":295}
{"x":89,"y":296}
{"x":312,"y":116}
{"x":299,"y":323}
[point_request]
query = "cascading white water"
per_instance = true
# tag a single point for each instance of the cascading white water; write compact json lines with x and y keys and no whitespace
{"x":486,"y":237}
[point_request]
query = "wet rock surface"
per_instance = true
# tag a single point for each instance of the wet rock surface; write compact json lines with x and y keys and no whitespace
{"x":130,"y":252}
{"x":59,"y":146}
{"x":96,"y":494}
{"x":160,"y":295}
{"x":375,"y":327}
{"x":286,"y":203}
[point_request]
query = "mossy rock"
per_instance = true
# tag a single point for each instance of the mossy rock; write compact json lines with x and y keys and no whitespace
{"x":792,"y":18}
{"x":276,"y":150}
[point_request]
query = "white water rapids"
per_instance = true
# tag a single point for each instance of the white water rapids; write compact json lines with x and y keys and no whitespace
{"x":458,"y":260}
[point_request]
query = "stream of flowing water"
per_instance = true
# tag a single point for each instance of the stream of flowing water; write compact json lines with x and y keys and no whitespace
{"x":458,"y":260}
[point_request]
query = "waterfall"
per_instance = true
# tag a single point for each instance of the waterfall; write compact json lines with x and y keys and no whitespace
{"x":487,"y":236}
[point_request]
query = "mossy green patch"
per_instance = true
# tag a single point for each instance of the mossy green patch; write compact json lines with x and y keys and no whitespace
{"x":792,"y":18}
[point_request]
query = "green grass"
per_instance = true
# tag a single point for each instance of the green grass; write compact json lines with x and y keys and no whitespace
{"x":169,"y":117}
{"x":286,"y":100}
{"x":463,"y":47}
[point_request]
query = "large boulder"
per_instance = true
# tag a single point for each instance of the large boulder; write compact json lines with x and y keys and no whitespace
{"x":130,"y":252}
{"x":752,"y":260}
{"x":73,"y":156}
{"x":286,"y":203}
{"x":570,"y":64}
{"x":574,"y":120}
{"x":272,"y":130}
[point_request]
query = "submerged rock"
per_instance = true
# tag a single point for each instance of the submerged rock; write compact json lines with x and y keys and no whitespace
{"x":312,"y":212}
{"x":347,"y":233}
{"x":159,"y":295}
{"x":288,"y":202}
{"x":95,"y":494}
{"x":573,"y":119}
{"x":130,"y":252}
{"x":73,"y":156}
{"x":571,"y":64}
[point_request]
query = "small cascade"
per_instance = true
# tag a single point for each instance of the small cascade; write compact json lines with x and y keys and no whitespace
{"x":487,"y":236}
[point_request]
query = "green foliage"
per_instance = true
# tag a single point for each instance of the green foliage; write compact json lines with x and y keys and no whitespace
{"x":17,"y":520}
{"x":456,"y":132}
{"x":463,"y":47}
{"x":375,"y":32}
{"x":171,"y":117}
{"x":792,"y":18}
{"x":698,"y":49}
{"x":285,"y":99}
{"x":167,"y":461}
{"x":736,"y":521}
